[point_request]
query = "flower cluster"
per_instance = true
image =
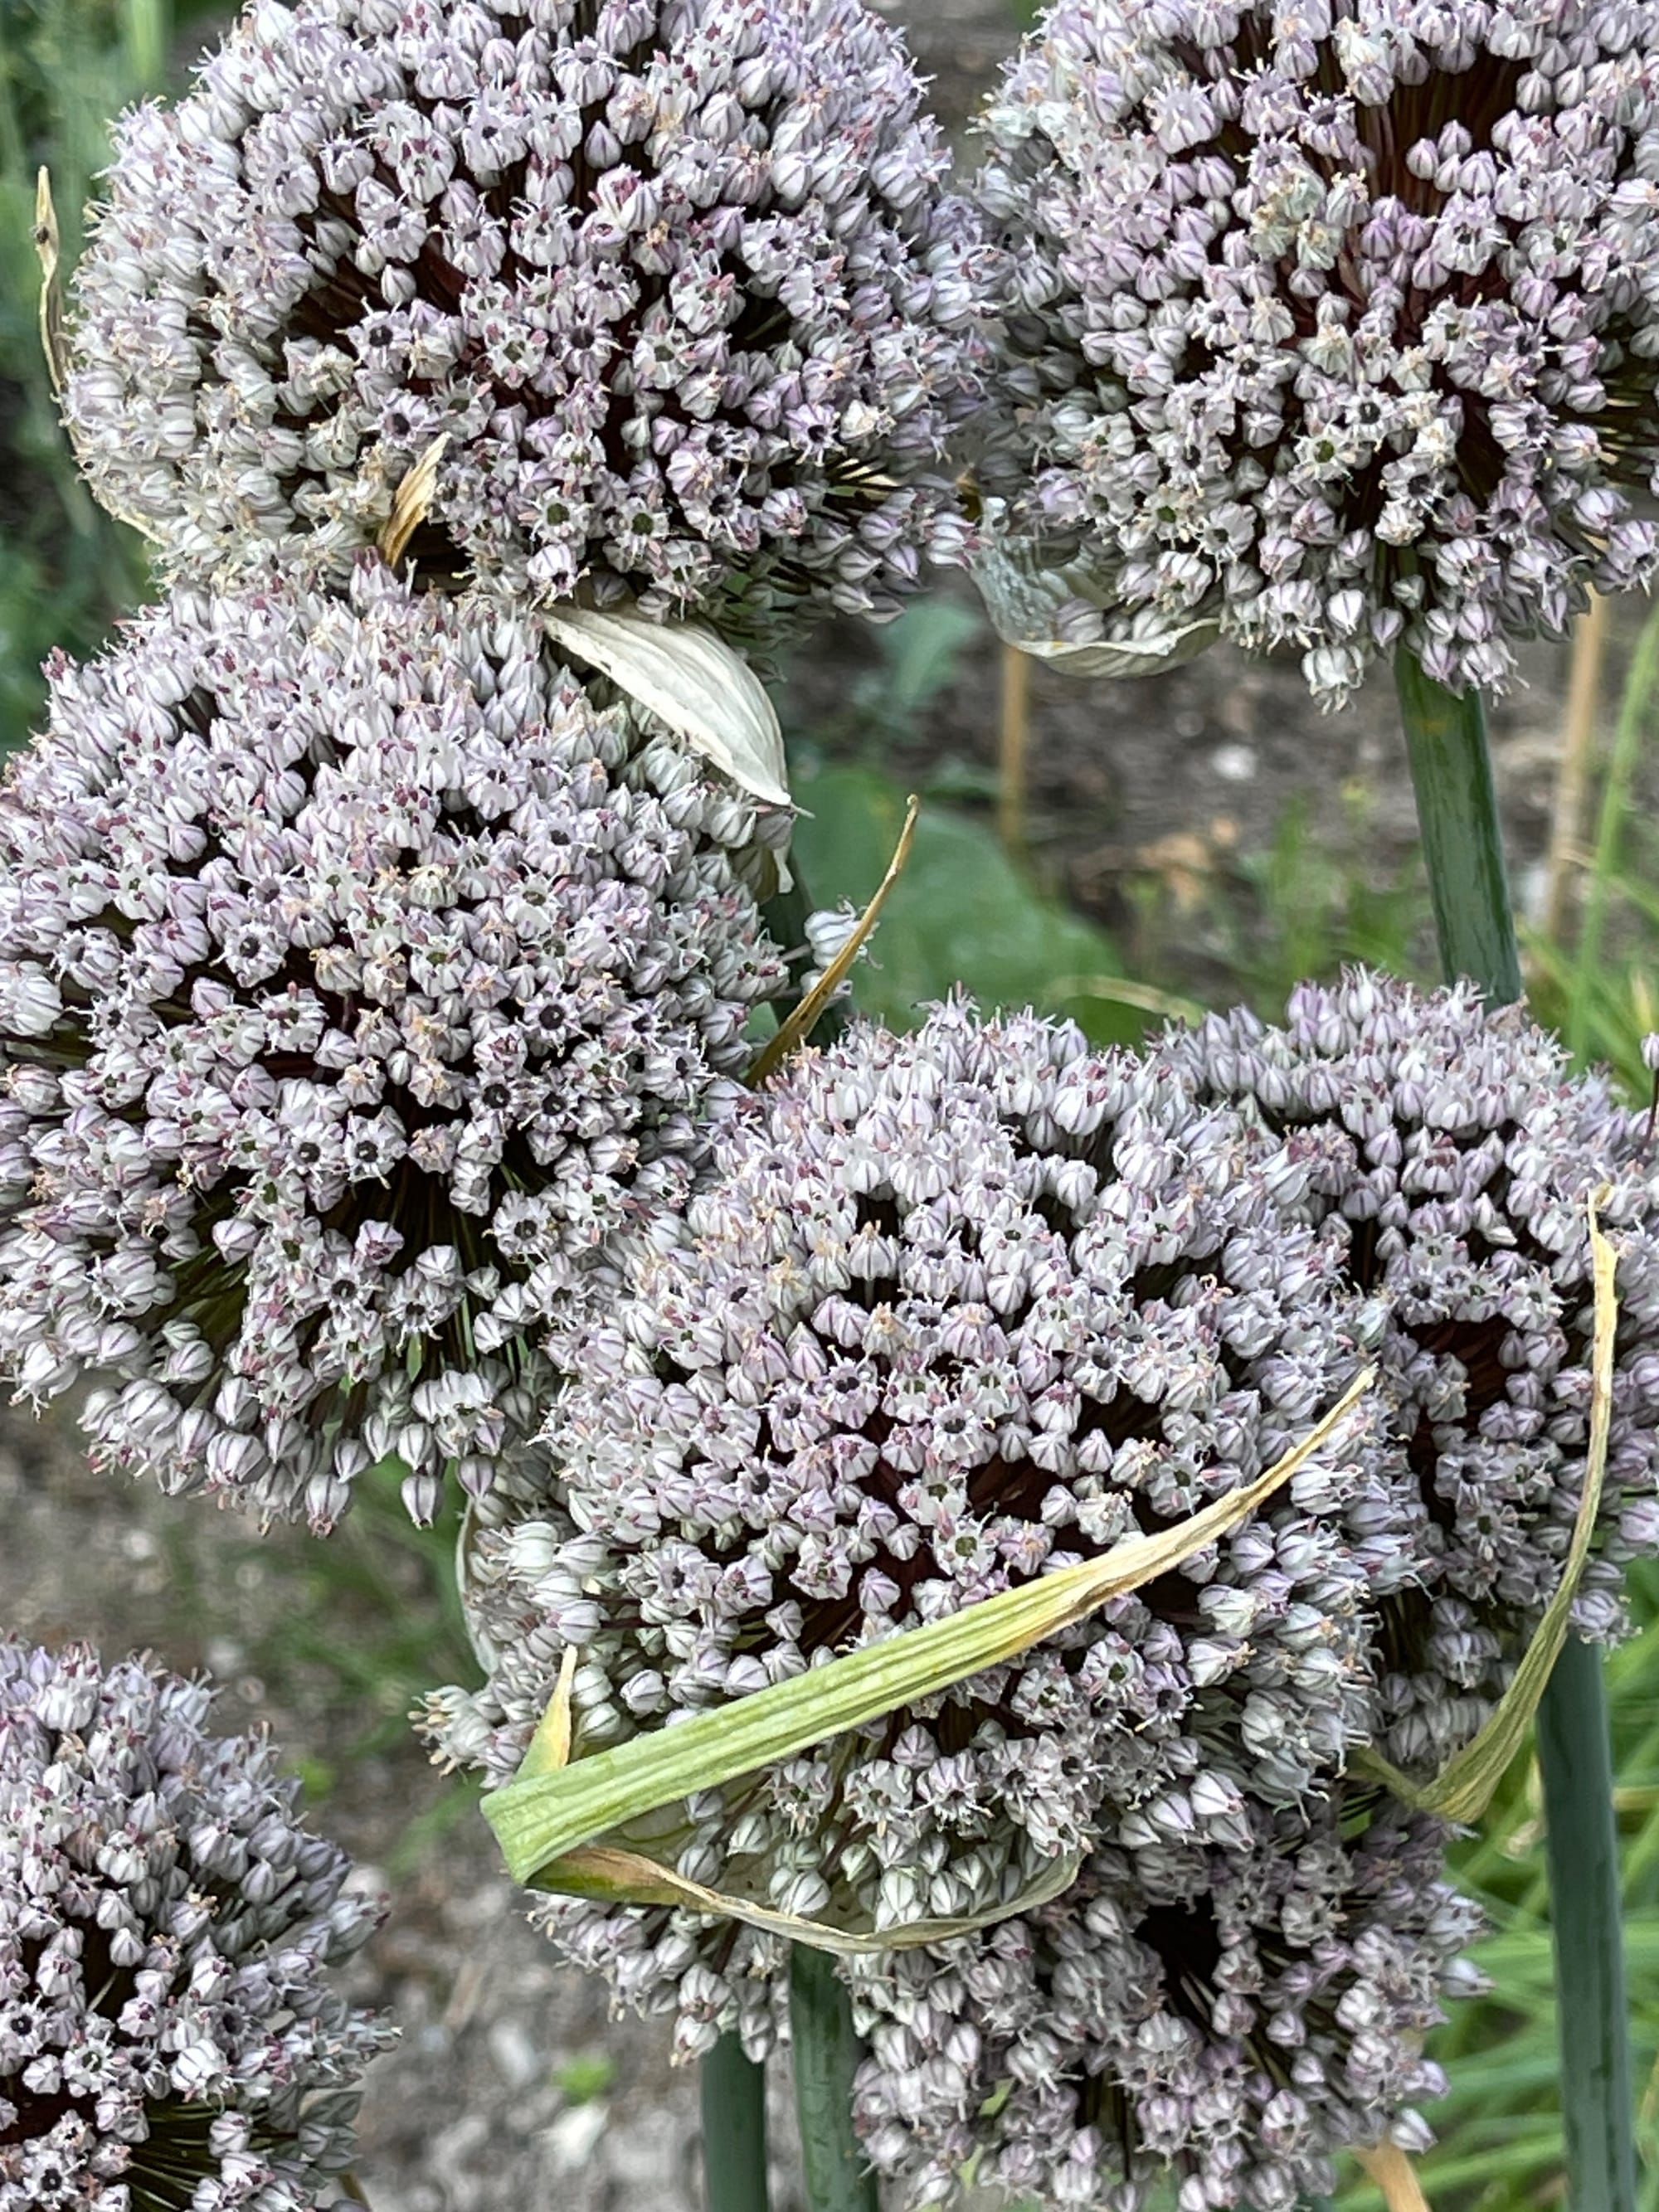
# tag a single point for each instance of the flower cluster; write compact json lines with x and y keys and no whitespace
{"x":676,"y":279}
{"x":1453,"y":1156}
{"x":1232,"y":2018}
{"x":361,"y":977}
{"x":169,"y":2038}
{"x":1338,"y":320}
{"x":950,"y":1311}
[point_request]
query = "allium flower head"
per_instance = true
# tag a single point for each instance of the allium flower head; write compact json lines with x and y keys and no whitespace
{"x":951,"y":1310}
{"x":1232,"y":2016}
{"x":1451,"y":1153}
{"x":168,"y":2039}
{"x":1338,"y":317}
{"x":676,"y":278}
{"x":360,"y":977}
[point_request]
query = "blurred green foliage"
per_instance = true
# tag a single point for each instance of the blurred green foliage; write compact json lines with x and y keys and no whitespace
{"x":962,"y":913}
{"x":66,"y":569}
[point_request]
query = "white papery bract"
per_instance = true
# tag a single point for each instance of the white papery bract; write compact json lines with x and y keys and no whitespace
{"x":169,"y":2040}
{"x":1338,"y":319}
{"x":677,"y":279}
{"x":363,"y":977}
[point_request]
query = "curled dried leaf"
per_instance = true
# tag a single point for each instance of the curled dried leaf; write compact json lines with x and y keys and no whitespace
{"x":551,"y":1810}
{"x":1464,"y":1787}
{"x":797,"y":1025}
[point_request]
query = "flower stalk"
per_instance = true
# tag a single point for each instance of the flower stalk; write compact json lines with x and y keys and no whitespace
{"x":827,"y":2055}
{"x":1463,"y":848}
{"x":733,"y":2129}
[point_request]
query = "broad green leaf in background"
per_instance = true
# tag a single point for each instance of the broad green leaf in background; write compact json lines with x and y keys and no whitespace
{"x":960,"y":913}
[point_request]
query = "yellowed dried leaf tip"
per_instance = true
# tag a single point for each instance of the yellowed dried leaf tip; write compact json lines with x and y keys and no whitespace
{"x":411,"y":502}
{"x":1394,"y":2173}
{"x":46,"y":247}
{"x":1463,"y":1787}
{"x":797,"y":1026}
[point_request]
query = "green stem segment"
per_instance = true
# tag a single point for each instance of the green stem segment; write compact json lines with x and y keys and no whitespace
{"x":733,"y":2129}
{"x":1463,"y":846}
{"x":827,"y":2053}
{"x":1462,"y":843}
{"x":1575,"y":1758}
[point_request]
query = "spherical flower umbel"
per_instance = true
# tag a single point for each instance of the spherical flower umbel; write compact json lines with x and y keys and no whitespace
{"x":169,"y":2041}
{"x":676,"y":280}
{"x":1451,"y":1152}
{"x":1232,"y":2017}
{"x":361,"y":977}
{"x":949,"y":1310}
{"x":1338,"y":319}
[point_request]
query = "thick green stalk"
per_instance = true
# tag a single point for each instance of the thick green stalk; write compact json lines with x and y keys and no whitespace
{"x":827,"y":2053}
{"x":1463,"y":846}
{"x":1462,"y":843}
{"x":733,"y":2129}
{"x":1575,"y":1758}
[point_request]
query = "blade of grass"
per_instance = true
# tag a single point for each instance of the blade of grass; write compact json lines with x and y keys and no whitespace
{"x":1635,"y":707}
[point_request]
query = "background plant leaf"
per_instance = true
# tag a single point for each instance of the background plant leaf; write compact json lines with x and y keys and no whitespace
{"x":962,"y":912}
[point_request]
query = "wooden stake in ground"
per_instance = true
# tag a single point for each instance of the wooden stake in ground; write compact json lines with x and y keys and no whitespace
{"x":1014,"y":745}
{"x":1589,"y":639}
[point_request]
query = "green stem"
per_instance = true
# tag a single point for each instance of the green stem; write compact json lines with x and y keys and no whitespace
{"x":827,"y":2052}
{"x":733,"y":2129}
{"x":1463,"y":844}
{"x":1463,"y":847}
{"x":1575,"y":1758}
